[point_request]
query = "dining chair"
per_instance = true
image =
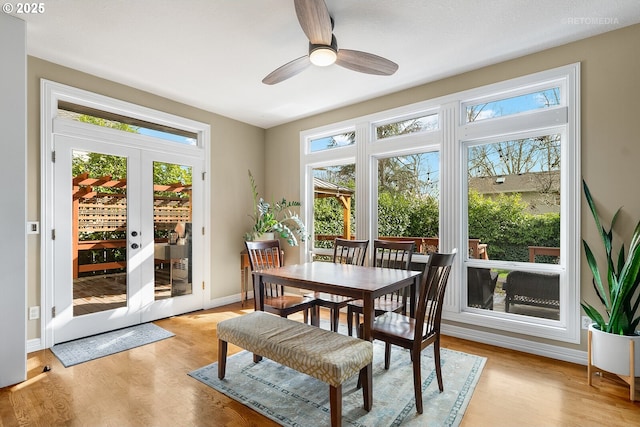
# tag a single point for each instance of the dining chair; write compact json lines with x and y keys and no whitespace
{"x":416,"y":334}
{"x":344,"y":252}
{"x":267,"y":254}
{"x":388,"y":254}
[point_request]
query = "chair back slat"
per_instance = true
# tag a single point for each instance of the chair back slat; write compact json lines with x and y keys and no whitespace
{"x":264,"y":255}
{"x":393,"y":254}
{"x":350,"y":251}
{"x":432,"y":288}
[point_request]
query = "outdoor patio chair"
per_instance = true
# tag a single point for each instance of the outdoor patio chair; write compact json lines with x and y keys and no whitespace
{"x":481,"y":284}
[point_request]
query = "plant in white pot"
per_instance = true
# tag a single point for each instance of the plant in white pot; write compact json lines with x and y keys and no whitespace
{"x":275,"y":219}
{"x":614,"y":342}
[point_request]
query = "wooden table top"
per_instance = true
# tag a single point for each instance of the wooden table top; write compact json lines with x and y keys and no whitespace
{"x":342,"y":278}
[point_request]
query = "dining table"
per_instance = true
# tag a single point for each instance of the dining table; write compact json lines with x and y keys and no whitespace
{"x":354,"y":281}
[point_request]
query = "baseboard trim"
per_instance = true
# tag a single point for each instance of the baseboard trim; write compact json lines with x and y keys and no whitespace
{"x":512,"y":343}
{"x":519,"y":344}
{"x":34,"y":345}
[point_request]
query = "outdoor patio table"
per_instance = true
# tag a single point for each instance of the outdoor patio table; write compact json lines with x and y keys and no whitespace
{"x":358,"y":282}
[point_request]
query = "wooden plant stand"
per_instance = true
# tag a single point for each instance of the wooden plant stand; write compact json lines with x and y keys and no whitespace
{"x":630,"y":379}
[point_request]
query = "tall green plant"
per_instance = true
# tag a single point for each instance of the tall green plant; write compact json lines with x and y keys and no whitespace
{"x":622,"y":279}
{"x":275,"y":217}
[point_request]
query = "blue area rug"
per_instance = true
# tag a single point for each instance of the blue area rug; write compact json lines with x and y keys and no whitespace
{"x":294,"y":399}
{"x":82,"y":350}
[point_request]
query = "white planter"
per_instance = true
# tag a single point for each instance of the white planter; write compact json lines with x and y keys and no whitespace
{"x":610,"y":352}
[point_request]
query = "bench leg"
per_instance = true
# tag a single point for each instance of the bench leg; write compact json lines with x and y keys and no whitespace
{"x":222,"y":358}
{"x":366,"y":379}
{"x":335,"y":403}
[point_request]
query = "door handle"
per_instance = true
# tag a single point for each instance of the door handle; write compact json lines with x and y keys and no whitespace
{"x":134,"y":246}
{"x":134,"y":233}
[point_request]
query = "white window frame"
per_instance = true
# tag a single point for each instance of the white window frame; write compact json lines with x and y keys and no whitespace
{"x":451,"y":138}
{"x":564,"y":120}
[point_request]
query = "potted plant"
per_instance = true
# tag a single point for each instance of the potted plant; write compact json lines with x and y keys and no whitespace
{"x":276,"y":218}
{"x":613,"y":335}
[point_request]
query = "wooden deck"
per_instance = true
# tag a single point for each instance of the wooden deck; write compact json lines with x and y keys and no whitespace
{"x":107,"y":292}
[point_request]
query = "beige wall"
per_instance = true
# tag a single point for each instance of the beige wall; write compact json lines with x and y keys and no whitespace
{"x":610,"y":74}
{"x":236,"y":147}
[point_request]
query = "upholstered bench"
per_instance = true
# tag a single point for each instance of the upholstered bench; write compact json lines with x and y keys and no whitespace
{"x":322,"y":354}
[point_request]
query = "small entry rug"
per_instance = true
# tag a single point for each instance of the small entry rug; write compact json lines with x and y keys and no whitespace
{"x":82,"y":350}
{"x":294,"y":399}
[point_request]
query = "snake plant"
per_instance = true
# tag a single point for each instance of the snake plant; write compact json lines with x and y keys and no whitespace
{"x":619,"y":294}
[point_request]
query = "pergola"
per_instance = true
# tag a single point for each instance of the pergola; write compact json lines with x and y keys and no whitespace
{"x":100,"y":204}
{"x":323,"y":189}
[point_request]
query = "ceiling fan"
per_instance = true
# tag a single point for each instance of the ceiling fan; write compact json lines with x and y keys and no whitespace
{"x":317,"y":24}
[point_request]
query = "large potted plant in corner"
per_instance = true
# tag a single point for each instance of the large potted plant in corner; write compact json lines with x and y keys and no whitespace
{"x":274,"y":219}
{"x":614,"y":342}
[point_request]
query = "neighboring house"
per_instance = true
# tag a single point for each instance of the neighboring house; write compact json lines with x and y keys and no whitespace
{"x":539,"y":190}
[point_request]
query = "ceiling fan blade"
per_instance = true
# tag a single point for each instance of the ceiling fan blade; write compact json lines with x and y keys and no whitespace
{"x":364,"y":62}
{"x":315,"y":21}
{"x":288,"y":70}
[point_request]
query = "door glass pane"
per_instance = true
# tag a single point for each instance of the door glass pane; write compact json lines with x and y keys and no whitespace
{"x":172,"y":230}
{"x":408,"y":199}
{"x":99,"y":254}
{"x":333,"y":207}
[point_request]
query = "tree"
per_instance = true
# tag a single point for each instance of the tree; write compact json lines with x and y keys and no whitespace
{"x":515,"y":156}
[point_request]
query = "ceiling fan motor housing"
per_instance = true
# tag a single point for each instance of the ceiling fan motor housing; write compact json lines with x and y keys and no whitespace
{"x":322,"y":54}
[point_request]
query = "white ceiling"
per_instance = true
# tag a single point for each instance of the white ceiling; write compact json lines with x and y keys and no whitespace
{"x":213,"y":54}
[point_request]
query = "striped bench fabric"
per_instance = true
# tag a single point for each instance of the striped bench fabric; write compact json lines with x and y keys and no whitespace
{"x":325,"y":355}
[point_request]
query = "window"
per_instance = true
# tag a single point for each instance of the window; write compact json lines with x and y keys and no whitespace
{"x":124,"y":123}
{"x":492,"y":171}
{"x":333,"y":206}
{"x":544,"y":98}
{"x":332,"y":141}
{"x":513,"y":203}
{"x":418,"y":124}
{"x":408,"y":199}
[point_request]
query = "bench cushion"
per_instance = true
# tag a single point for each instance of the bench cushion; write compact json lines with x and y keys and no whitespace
{"x":325,"y":355}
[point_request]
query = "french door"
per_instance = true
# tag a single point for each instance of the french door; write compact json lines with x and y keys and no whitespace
{"x":126,"y":246}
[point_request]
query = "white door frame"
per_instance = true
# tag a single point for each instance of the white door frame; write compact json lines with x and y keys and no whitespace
{"x":51,"y":94}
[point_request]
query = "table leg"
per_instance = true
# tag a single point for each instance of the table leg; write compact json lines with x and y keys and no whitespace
{"x":368,"y":315}
{"x":243,"y":284}
{"x":258,"y":292}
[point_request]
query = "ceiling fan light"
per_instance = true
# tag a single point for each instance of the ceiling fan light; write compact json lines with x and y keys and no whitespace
{"x":323,"y":56}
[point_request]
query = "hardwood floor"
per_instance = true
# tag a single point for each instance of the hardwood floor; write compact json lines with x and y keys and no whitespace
{"x":149,"y":386}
